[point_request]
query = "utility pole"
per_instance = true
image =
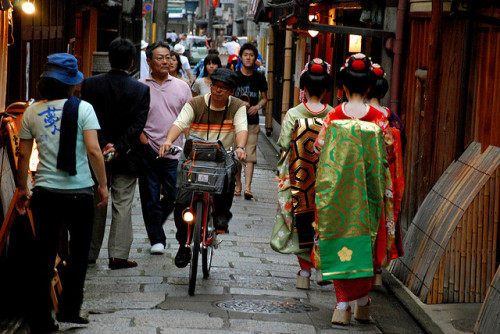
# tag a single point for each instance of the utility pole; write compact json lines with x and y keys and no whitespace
{"x":210,"y":17}
{"x":236,"y":7}
{"x":159,"y":20}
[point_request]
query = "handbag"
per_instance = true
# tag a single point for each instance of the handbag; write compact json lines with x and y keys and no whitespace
{"x":196,"y":148}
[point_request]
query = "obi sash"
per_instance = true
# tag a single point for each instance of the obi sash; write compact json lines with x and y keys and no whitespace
{"x":303,"y":164}
{"x":350,"y":185}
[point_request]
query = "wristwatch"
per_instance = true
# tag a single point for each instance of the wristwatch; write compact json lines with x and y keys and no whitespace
{"x":243,"y":148}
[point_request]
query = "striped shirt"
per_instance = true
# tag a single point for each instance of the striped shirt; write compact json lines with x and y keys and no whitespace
{"x":195,"y":117}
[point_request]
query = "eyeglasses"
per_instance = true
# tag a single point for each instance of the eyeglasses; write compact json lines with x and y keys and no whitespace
{"x":222,"y":88}
{"x":161,"y":58}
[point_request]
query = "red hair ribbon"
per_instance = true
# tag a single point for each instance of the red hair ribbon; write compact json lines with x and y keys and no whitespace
{"x":358,"y":65}
{"x":316,"y":68}
{"x":378,"y":72}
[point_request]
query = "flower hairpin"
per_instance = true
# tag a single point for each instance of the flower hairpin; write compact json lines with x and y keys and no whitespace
{"x":318,"y":66}
{"x":357,"y":62}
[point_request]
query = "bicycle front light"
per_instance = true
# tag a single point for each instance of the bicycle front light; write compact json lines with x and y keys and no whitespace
{"x":188,"y":216}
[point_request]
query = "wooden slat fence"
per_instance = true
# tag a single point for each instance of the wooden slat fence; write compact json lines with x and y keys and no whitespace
{"x":451,"y":245}
{"x":426,"y":160}
{"x":485,"y":84}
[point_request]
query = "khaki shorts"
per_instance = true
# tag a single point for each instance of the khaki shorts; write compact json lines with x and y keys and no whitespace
{"x":251,"y":148}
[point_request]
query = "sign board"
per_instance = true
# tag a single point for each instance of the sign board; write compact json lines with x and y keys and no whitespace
{"x":218,"y":11}
{"x":176,"y":13}
{"x":226,"y":2}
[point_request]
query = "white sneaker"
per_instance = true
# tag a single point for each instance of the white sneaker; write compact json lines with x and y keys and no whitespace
{"x":158,"y":248}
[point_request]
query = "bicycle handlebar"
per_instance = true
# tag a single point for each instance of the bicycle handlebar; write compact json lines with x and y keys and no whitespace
{"x":172,"y":151}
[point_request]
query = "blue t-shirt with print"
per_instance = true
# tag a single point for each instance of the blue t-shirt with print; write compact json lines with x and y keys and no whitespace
{"x":42,"y":122}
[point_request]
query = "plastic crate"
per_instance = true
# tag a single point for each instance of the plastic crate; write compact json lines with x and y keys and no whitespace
{"x":205,"y":176}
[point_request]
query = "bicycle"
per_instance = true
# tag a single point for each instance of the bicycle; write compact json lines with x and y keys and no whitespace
{"x":205,"y":179}
{"x":202,"y":236}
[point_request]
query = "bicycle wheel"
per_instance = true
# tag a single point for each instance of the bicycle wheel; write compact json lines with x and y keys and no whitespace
{"x":195,"y":250}
{"x":207,"y":253}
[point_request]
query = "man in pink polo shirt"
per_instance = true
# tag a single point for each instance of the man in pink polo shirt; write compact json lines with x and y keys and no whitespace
{"x":157,"y":182}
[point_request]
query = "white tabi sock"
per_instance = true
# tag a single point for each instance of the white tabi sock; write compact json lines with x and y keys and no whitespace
{"x":342,"y":306}
{"x":305,"y":273}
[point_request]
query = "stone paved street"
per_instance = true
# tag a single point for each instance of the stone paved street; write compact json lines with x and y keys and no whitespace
{"x":153,"y":297}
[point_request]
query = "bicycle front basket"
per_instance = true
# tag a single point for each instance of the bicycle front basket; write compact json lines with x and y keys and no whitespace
{"x":206,"y":176}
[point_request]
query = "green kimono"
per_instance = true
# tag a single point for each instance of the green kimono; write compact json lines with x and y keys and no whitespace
{"x":350,"y":184}
{"x":284,"y":238}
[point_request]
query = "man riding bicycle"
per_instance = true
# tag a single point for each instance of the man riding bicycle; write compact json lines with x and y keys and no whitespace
{"x":214,"y":116}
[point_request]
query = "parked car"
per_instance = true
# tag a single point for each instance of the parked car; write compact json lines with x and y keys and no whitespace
{"x":242,"y":40}
{"x":198,"y":49}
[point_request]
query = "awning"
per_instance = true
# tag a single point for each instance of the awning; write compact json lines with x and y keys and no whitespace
{"x":252,"y":9}
{"x":261,"y":13}
{"x":204,"y":23}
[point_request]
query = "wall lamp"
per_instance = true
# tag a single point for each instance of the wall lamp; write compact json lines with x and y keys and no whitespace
{"x":313,"y":19}
{"x":355,"y":43}
{"x":29,"y":7}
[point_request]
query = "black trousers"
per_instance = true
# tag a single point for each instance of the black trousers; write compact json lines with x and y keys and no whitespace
{"x":52,"y":213}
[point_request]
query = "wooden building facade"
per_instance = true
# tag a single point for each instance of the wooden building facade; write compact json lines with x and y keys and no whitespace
{"x":466,"y":103}
{"x":77,"y":27}
{"x":451,"y":109}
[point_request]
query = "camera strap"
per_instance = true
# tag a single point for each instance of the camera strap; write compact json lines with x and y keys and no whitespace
{"x":223,"y":117}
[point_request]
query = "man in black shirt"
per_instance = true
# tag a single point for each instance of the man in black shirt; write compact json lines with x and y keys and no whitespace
{"x":251,"y":84}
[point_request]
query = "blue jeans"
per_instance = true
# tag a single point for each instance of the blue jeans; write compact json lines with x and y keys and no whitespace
{"x":158,"y":177}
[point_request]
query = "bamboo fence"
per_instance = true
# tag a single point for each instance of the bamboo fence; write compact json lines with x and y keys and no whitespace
{"x":488,"y":320}
{"x":451,"y":245}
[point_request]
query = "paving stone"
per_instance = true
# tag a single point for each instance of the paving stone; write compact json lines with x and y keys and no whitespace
{"x":179,"y":319}
{"x":201,"y":289}
{"x":200,"y":331}
{"x":270,"y":327}
{"x":265,"y":266}
{"x":94,"y":288}
{"x":154,"y":288}
{"x":124,"y":280}
{"x":258,"y":279}
{"x":281,"y":259}
{"x":96,"y":305}
{"x":274,"y":293}
{"x":131,"y":297}
{"x":326,"y":298}
{"x":116,"y":329}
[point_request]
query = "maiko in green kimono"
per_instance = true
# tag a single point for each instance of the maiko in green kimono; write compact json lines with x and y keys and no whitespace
{"x":351,"y":185}
{"x":295,"y":188}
